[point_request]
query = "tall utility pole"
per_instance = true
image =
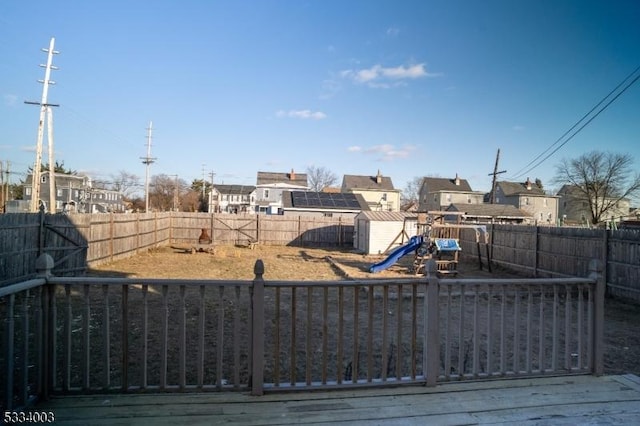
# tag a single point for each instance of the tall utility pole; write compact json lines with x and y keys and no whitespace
{"x":52,"y":171}
{"x":203,"y":181}
{"x":44,"y":108}
{"x":147,"y":161}
{"x":6,"y":182}
{"x":210,"y":199}
{"x":2,"y":196}
{"x":495,"y":174}
{"x":175,"y":193}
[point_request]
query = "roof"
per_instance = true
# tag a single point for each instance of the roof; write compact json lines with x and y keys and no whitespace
{"x":266,"y":178}
{"x":517,"y":188}
{"x":323,"y":200}
{"x":387,"y":216}
{"x":367,"y":182}
{"x":235,"y":189}
{"x":60,"y":177}
{"x":444,"y":184}
{"x":490,"y":210}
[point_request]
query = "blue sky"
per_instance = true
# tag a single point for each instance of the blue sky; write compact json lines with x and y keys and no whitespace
{"x":410,"y":88}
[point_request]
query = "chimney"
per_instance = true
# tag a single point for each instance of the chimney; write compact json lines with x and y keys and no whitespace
{"x":528,"y":184}
{"x":378,"y":178}
{"x":292,"y":175}
{"x":457,"y":180}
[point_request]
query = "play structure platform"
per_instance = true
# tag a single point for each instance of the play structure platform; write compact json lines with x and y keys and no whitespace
{"x":436,"y":239}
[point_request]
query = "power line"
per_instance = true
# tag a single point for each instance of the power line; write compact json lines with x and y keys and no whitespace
{"x":523,"y":171}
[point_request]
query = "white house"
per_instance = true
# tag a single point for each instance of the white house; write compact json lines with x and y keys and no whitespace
{"x":269,"y":188}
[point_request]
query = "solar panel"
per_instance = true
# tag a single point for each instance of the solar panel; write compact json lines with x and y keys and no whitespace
{"x":324,"y":200}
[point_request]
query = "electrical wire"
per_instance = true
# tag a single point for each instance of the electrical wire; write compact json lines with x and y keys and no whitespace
{"x":523,"y":171}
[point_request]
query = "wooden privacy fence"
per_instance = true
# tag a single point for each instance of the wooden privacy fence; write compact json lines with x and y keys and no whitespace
{"x":84,"y":334}
{"x":541,"y":251}
{"x":77,"y":241}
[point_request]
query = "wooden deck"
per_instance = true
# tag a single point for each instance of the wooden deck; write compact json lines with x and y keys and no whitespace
{"x":611,"y":400}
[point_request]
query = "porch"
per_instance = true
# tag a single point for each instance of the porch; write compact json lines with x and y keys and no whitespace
{"x":611,"y":400}
{"x":160,"y":349}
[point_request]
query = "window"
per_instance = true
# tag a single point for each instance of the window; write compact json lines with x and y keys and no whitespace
{"x":59,"y":192}
{"x":27,"y":191}
{"x":327,"y":214}
{"x":448,"y":197}
{"x":469,"y":199}
{"x":266,"y":193}
{"x":43,"y":179}
{"x":384,"y":197}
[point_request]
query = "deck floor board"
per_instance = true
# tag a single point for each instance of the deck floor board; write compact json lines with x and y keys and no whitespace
{"x":610,"y":400}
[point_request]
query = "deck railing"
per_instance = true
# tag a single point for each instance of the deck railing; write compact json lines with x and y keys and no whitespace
{"x":84,"y":335}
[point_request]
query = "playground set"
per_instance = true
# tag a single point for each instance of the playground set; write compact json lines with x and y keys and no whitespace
{"x":435,"y":239}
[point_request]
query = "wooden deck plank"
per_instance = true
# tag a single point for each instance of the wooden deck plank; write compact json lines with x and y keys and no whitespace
{"x":568,"y":400}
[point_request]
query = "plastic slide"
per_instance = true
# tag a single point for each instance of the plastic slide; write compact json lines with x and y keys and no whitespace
{"x":412,"y":245}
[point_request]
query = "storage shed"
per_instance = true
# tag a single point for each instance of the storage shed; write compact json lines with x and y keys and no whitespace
{"x":380,"y":232}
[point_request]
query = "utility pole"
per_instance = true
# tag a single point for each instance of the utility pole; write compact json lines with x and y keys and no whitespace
{"x":495,"y":174}
{"x":52,"y":171}
{"x":175,"y":192}
{"x":44,"y":109}
{"x":6,"y":182}
{"x":147,"y":161}
{"x":2,"y":196}
{"x":203,"y":181}
{"x":210,"y":199}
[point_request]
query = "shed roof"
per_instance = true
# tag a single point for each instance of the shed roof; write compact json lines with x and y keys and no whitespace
{"x":387,"y":216}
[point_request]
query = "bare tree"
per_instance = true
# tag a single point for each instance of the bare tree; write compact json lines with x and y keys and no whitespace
{"x":166,"y":191}
{"x":319,"y":178}
{"x":126,"y":183}
{"x":411,"y":193}
{"x":599,"y":179}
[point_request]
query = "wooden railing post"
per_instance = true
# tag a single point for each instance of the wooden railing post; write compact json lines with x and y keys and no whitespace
{"x":257,"y":338}
{"x":44,"y":266}
{"x":432,"y":327}
{"x":595,"y":273}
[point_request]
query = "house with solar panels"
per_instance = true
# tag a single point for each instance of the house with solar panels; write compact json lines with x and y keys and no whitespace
{"x":270,"y":186}
{"x":323,"y":204}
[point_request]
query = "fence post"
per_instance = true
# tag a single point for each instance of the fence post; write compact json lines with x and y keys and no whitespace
{"x":595,"y":273}
{"x":44,"y":265}
{"x":432,"y":326}
{"x":257,"y":337}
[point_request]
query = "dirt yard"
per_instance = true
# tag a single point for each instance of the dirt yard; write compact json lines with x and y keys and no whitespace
{"x":622,"y":320}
